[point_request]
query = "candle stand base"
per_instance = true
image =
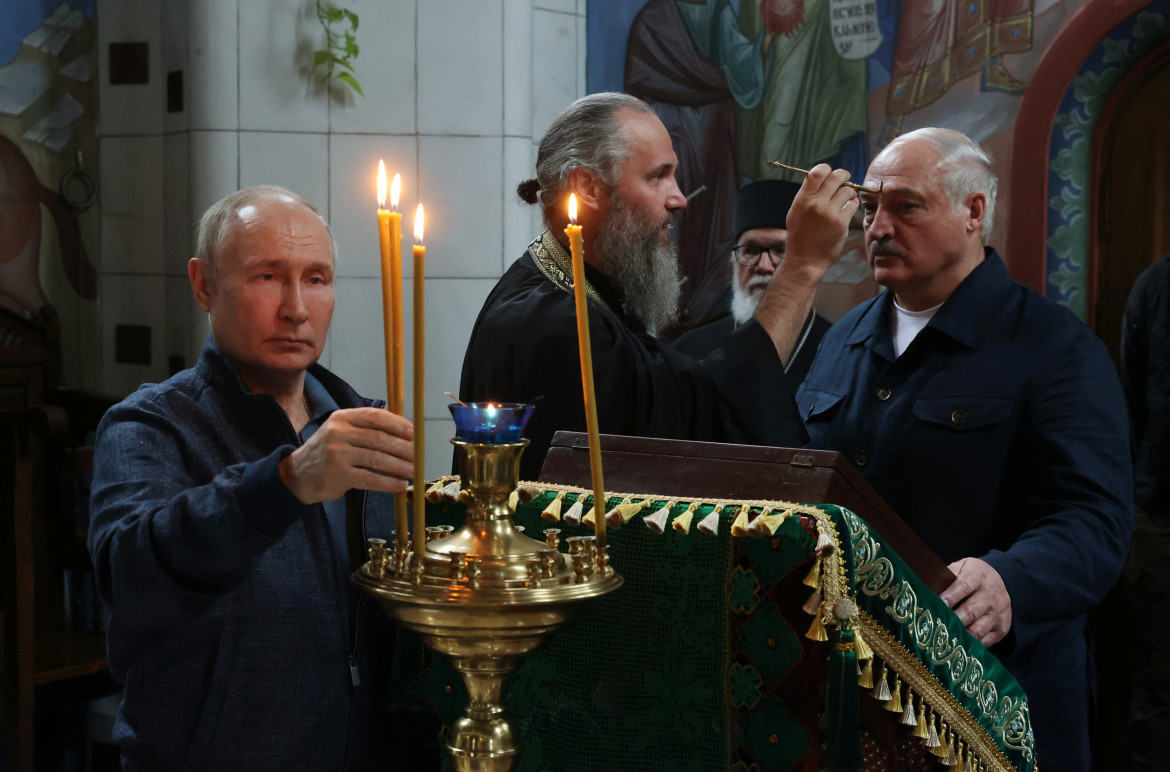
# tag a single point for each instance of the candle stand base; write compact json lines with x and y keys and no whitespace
{"x":486,"y":595}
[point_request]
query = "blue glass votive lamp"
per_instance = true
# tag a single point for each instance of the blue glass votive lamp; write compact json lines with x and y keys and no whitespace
{"x":490,"y":423}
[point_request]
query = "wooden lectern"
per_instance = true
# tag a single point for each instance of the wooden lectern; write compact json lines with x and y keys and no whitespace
{"x":716,"y":470}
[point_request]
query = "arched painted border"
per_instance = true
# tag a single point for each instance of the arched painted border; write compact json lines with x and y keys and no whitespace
{"x":1049,"y":234}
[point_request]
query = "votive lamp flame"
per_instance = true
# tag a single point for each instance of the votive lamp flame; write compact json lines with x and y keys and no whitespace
{"x":382,"y":184}
{"x":490,"y":423}
{"x":395,"y":191}
{"x":418,"y":224}
{"x":573,"y":208}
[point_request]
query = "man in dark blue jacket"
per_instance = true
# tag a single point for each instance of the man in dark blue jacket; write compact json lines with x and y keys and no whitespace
{"x":230,"y":505}
{"x":990,"y":418}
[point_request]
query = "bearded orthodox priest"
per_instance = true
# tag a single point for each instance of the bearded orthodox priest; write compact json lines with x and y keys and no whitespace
{"x":612,"y":151}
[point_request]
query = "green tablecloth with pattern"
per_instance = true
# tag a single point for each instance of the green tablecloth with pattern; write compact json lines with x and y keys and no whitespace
{"x":702,"y":660}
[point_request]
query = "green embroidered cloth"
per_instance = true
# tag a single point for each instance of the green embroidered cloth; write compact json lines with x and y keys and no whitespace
{"x":700,"y":661}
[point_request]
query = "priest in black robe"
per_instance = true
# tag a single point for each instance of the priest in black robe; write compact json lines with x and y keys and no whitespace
{"x":616,"y":156}
{"x":761,"y":241}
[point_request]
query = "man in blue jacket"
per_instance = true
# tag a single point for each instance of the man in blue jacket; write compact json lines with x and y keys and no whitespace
{"x":991,"y":419}
{"x":230,"y":504}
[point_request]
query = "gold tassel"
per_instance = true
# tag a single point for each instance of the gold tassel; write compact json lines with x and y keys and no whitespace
{"x":817,"y":631}
{"x":682,"y":523}
{"x":433,"y":489}
{"x":573,"y":516}
{"x":657,"y":521}
{"x":767,"y":525}
{"x":882,"y":691}
{"x":863,"y":649}
{"x":740,"y":524}
{"x":813,"y":578}
{"x":921,"y":731}
{"x":629,"y":509}
{"x":940,"y":750}
{"x":590,"y":517}
{"x":961,"y":758}
{"x":513,"y":500}
{"x":894,"y":704}
{"x":866,"y":679}
{"x":950,"y":759}
{"x":932,"y":738}
{"x":552,"y":512}
{"x":908,"y":717}
{"x":813,"y":603}
{"x":614,"y":516}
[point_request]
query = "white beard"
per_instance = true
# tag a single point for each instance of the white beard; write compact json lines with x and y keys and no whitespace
{"x":745,"y":301}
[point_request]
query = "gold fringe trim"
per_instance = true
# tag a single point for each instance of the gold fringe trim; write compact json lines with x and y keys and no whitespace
{"x":552,"y":512}
{"x":740,"y":524}
{"x":682,"y":523}
{"x":817,"y":631}
{"x":865,"y":681}
{"x":925,"y":684}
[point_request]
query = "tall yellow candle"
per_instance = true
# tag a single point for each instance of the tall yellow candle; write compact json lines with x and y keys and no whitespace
{"x":390,"y":240}
{"x":420,"y":369}
{"x":577,"y":249}
{"x":398,"y":394}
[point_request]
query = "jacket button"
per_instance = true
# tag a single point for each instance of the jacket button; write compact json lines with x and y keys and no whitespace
{"x":883,"y":393}
{"x":959,"y":417}
{"x":862,"y":458}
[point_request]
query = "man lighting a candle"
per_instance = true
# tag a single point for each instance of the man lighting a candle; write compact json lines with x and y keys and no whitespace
{"x":613,"y":152}
{"x":229,"y":507}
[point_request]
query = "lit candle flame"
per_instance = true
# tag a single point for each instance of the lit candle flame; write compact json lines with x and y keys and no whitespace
{"x":418,"y":224}
{"x":381,"y":184}
{"x":573,"y":208}
{"x":395,"y":189}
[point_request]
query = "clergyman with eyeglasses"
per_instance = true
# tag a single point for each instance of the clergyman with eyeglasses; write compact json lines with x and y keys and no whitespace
{"x":761,"y":222}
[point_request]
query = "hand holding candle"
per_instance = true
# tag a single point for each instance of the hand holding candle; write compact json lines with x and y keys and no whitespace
{"x":577,"y":249}
{"x":420,"y":433}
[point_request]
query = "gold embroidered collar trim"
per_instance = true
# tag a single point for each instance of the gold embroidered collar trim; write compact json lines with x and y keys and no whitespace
{"x":557,"y":265}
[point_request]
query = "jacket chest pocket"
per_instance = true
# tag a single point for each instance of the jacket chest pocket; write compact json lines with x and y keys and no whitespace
{"x":963,"y":413}
{"x":818,"y":405}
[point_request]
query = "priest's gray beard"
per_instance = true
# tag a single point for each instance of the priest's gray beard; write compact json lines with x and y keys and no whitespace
{"x":645,"y":271}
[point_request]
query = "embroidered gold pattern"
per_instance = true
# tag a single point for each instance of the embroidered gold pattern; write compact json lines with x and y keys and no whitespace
{"x":1009,"y":718}
{"x":556,"y":264}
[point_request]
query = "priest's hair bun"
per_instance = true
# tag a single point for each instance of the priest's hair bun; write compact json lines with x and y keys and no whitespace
{"x":529,"y":191}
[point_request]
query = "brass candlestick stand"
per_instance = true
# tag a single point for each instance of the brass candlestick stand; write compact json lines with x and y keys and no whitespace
{"x":486,"y":595}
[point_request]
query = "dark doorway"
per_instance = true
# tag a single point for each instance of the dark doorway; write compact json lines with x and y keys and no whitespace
{"x":1134,"y":226}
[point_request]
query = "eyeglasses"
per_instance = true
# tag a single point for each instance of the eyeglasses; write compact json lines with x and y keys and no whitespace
{"x":748,"y":255}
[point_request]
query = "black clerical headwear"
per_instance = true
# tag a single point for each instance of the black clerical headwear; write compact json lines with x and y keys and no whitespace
{"x":764,"y":204}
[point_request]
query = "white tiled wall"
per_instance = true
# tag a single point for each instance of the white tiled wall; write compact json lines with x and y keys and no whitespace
{"x":457,"y":94}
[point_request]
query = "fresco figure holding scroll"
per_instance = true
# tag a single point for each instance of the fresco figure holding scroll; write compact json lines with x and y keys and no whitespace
{"x":229,"y":506}
{"x":614,"y":153}
{"x":991,"y":419}
{"x":761,"y":241}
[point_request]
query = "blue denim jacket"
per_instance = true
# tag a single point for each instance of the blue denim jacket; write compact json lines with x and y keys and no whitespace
{"x":999,"y":433}
{"x":228,"y":607}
